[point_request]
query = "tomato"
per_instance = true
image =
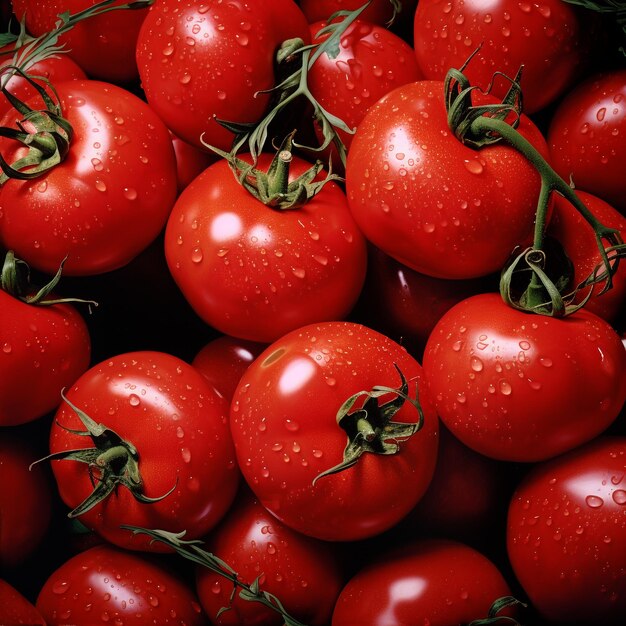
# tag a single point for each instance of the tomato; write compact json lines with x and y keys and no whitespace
{"x":521,"y":387}
{"x":224,"y":360}
{"x":586,"y":139}
{"x":107,"y":200}
{"x":549,"y":39}
{"x":284,"y":425}
{"x":431,"y":202}
{"x":255,"y":272}
{"x":25,"y":502}
{"x":436,"y":582}
{"x":200,"y":61}
{"x":104,"y":45}
{"x":55,"y":70}
{"x":178,"y":425}
{"x":190,"y":161}
{"x":303,"y":573}
{"x":567,"y":535}
{"x":16,"y":609}
{"x":577,"y":237}
{"x":379,"y":11}
{"x":43,"y":347}
{"x":371,"y":62}
{"x":105,"y":584}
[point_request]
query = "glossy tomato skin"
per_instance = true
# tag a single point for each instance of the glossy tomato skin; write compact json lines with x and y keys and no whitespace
{"x":177,"y":423}
{"x":198,"y":62}
{"x":190,"y":161}
{"x":105,"y":584}
{"x":254,"y":272}
{"x":521,"y":387}
{"x":567,"y":535}
{"x":435,"y":582}
{"x":283,"y":420}
{"x":109,"y":198}
{"x":25,"y":501}
{"x":43,"y":347}
{"x":15,"y":609}
{"x":429,"y":201}
{"x":303,"y":573}
{"x":548,"y":39}
{"x":104,"y":46}
{"x":586,"y":137}
{"x":574,"y":233}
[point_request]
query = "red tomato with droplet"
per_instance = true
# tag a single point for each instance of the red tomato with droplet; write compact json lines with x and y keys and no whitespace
{"x":303,"y":573}
{"x":549,"y":39}
{"x":434,"y":204}
{"x":107,"y":200}
{"x":586,"y":137}
{"x":434,"y":582}
{"x":567,"y":535}
{"x":255,"y":272}
{"x":177,"y":423}
{"x":15,"y":609}
{"x":108,"y":585}
{"x":201,"y":61}
{"x":284,"y":425}
{"x":521,"y":387}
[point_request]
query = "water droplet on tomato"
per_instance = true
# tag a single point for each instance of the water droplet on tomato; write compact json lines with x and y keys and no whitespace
{"x":271,"y":548}
{"x":168,"y":50}
{"x":298,"y":272}
{"x":291,"y":425}
{"x":186,"y":454}
{"x":196,"y":255}
{"x":153,"y":600}
{"x":134,"y":400}
{"x":457,"y":345}
{"x":216,"y":587}
{"x":60,"y":587}
{"x":476,"y":364}
{"x":100,"y":185}
{"x":595,"y":502}
{"x":104,"y":616}
{"x":130,"y":193}
{"x":242,"y":39}
{"x":619,"y":497}
{"x":505,"y":387}
{"x":601,"y":114}
{"x":180,"y":433}
{"x":473,"y":166}
{"x":318,"y":454}
{"x":545,"y":361}
{"x":7,"y":348}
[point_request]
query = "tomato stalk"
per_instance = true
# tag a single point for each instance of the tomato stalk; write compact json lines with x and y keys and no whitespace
{"x":478,"y":126}
{"x":370,"y":428}
{"x":493,"y":618}
{"x":191,"y":550}
{"x":116,"y":459}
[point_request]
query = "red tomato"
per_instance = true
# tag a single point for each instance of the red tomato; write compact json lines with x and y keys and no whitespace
{"x":439,"y":583}
{"x":549,"y":39}
{"x":200,"y":61}
{"x":379,"y":11}
{"x":25,"y":502}
{"x":575,"y":234}
{"x":301,"y":572}
{"x":431,"y":202}
{"x":567,"y":535}
{"x":284,"y":425}
{"x":107,"y":200}
{"x":178,"y":425}
{"x":16,"y":609}
{"x":522,"y":387}
{"x":190,"y":161}
{"x":104,"y":46}
{"x":108,"y":585}
{"x":586,"y":137}
{"x":254,"y":272}
{"x":42,"y":347}
{"x":223,"y":361}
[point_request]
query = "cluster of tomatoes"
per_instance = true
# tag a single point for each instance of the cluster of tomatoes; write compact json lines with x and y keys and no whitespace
{"x":279,"y":385}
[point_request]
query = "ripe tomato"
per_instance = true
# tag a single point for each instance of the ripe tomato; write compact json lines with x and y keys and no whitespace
{"x":104,"y":45}
{"x":178,"y":425}
{"x":436,"y":582}
{"x":303,"y":573}
{"x":284,"y":425}
{"x":522,"y":387}
{"x":108,"y":585}
{"x":107,"y":200}
{"x":190,"y":161}
{"x":25,"y":502}
{"x":549,"y":39}
{"x":255,"y":272}
{"x":586,"y":137}
{"x":570,"y":228}
{"x":16,"y":609}
{"x":428,"y":200}
{"x":42,"y":347}
{"x":200,"y":61}
{"x":567,"y":535}
{"x":223,"y":361}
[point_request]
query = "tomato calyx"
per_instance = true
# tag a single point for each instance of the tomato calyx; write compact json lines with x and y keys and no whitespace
{"x":370,"y":428}
{"x":15,"y":280}
{"x":191,"y":550}
{"x":112,"y":462}
{"x":273,"y":187}
{"x":492,"y":615}
{"x":478,"y":126}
